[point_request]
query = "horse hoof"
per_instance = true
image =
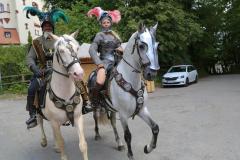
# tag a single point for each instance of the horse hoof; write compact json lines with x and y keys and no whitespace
{"x":121,"y":148}
{"x":146,"y":150}
{"x":130,"y":157}
{"x":44,"y":143}
{"x":98,"y":138}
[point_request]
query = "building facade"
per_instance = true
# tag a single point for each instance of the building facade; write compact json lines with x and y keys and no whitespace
{"x":14,"y":26}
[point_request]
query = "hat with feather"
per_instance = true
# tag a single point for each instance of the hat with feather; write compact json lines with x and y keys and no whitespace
{"x":50,"y":17}
{"x":114,"y":16}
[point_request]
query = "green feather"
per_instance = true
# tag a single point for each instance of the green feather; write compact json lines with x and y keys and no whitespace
{"x":57,"y":14}
{"x":33,"y":11}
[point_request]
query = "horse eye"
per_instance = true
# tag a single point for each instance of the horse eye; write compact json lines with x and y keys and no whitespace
{"x":141,"y":46}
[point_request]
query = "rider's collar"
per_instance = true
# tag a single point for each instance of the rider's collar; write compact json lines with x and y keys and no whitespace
{"x":108,"y":30}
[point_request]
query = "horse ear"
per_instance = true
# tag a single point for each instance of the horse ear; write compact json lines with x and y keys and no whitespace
{"x":75,"y":34}
{"x":141,"y":27}
{"x":155,"y":26}
{"x":154,"y":29}
{"x":55,"y":37}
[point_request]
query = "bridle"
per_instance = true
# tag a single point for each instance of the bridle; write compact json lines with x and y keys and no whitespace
{"x":59,"y":58}
{"x":137,"y":39}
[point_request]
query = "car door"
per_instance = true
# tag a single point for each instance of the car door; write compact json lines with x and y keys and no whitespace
{"x":190,"y":73}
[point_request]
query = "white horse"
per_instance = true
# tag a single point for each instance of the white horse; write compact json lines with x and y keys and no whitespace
{"x":63,"y":101}
{"x":128,"y":95}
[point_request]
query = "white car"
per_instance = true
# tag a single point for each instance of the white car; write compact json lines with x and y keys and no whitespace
{"x":180,"y":75}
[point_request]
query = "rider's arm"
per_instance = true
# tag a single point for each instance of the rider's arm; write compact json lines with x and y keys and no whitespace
{"x":31,"y":58}
{"x":119,"y":48}
{"x":93,"y":50}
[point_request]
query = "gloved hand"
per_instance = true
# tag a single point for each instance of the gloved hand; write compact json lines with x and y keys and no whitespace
{"x":37,"y":72}
{"x":48,"y":71}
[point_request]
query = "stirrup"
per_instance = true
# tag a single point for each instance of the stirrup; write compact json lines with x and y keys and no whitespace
{"x":86,"y":109}
{"x":32,"y":124}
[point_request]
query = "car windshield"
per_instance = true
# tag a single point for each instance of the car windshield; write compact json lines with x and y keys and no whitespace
{"x":177,"y":69}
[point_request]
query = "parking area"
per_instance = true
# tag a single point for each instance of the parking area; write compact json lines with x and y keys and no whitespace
{"x":198,"y":122}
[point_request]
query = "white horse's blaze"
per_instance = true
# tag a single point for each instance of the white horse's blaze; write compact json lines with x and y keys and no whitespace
{"x":68,"y":47}
{"x":147,"y":38}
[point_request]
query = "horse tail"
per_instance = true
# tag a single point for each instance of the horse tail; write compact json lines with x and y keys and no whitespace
{"x":103,"y":118}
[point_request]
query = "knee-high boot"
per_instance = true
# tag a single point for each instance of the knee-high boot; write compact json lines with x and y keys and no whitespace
{"x":85,"y":108}
{"x":95,"y":95}
{"x":32,"y":121}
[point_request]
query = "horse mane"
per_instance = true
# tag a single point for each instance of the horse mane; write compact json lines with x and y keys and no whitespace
{"x":63,"y":40}
{"x":130,"y":43}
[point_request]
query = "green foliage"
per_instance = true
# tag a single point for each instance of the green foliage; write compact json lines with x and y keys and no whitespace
{"x":17,"y":89}
{"x":12,"y":62}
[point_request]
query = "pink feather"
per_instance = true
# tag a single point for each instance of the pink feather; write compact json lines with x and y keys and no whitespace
{"x":115,"y":15}
{"x":96,"y":11}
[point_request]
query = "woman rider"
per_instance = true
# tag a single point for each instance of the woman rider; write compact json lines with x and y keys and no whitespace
{"x":106,"y":43}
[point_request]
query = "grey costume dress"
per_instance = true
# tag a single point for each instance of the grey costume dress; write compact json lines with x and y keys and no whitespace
{"x":105,"y":44}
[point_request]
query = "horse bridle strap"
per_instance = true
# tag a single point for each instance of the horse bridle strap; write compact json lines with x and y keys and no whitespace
{"x":65,"y":75}
{"x":126,"y":86}
{"x":135,"y":70}
{"x":68,"y":106}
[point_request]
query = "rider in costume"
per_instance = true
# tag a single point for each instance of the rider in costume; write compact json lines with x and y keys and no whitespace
{"x":107,"y":43}
{"x":40,"y":56}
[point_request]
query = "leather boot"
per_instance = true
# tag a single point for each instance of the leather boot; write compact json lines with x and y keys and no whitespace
{"x":32,"y":121}
{"x":95,"y":95}
{"x":86,"y":108}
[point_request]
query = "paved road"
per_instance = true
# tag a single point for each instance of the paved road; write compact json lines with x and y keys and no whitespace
{"x":199,"y":122}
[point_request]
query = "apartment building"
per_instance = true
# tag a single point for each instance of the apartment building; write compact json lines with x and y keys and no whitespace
{"x":14,"y":26}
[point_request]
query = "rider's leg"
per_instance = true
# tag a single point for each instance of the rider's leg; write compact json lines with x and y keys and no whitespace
{"x":32,"y":121}
{"x":96,"y":95}
{"x":85,"y":108}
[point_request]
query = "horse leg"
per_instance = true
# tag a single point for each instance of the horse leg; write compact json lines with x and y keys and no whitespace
{"x":43,"y":135}
{"x":96,"y":115}
{"x":127,"y":137}
{"x":59,"y":139}
{"x":145,"y":115}
{"x":120,"y":146}
{"x":82,"y":141}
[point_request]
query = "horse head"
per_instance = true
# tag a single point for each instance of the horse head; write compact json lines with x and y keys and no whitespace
{"x":143,"y":43}
{"x":66,"y":49}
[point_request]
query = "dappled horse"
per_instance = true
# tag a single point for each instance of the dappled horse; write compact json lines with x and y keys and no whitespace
{"x":63,"y":101}
{"x":128,"y":94}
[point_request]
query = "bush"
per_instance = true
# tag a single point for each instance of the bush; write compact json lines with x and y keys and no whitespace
{"x":12,"y":62}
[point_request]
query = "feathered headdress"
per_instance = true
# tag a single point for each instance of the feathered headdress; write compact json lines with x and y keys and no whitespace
{"x":114,"y":15}
{"x":52,"y":16}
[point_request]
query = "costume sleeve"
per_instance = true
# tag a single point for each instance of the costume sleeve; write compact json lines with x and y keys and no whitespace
{"x":93,"y":50}
{"x":31,"y":57}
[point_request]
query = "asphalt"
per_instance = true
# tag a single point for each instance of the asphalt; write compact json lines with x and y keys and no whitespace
{"x":198,"y":122}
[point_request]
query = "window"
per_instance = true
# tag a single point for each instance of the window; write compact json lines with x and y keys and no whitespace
{"x":8,"y":8}
{"x":36,"y":32}
{"x":26,"y":26}
{"x":7,"y":34}
{"x":1,"y":8}
{"x":34,"y":4}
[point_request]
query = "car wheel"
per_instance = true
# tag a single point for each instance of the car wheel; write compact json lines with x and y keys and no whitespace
{"x":196,"y":79}
{"x":186,"y":82}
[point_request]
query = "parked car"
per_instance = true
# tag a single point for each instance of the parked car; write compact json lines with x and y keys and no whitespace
{"x":180,"y":75}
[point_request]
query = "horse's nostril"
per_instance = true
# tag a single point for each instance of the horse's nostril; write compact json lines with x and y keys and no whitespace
{"x":75,"y":74}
